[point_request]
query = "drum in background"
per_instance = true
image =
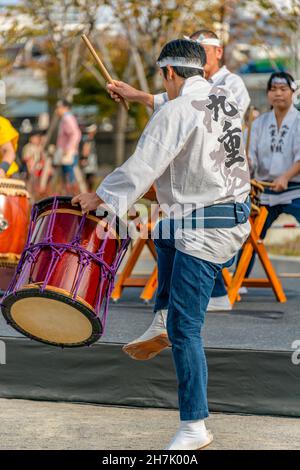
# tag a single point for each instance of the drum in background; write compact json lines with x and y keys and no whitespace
{"x":14,"y":219}
{"x":63,"y":282}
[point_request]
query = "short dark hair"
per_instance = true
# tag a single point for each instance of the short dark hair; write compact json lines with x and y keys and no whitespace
{"x":36,"y":132}
{"x":287,"y":76}
{"x":64,"y":102}
{"x":205,"y":32}
{"x":188,"y":50}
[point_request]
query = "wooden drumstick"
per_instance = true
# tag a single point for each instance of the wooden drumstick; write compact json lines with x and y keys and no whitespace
{"x":102,"y":68}
{"x":257,"y":184}
{"x":267,"y":184}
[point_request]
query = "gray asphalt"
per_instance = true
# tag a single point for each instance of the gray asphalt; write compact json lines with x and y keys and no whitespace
{"x":36,"y":425}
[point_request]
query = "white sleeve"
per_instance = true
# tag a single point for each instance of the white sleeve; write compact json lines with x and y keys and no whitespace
{"x":159,"y":144}
{"x":240,"y":92}
{"x":160,"y":100}
{"x":296,"y":142}
{"x":253,"y":148}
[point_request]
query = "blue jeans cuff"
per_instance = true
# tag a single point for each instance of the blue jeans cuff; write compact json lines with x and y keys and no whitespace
{"x":189,"y":415}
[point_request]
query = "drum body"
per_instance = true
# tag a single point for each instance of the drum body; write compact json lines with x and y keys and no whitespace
{"x":14,"y":219}
{"x":66,"y":273}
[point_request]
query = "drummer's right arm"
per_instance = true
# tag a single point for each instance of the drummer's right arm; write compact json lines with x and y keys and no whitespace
{"x":132,"y":94}
{"x":129,"y":93}
{"x":157,"y":147}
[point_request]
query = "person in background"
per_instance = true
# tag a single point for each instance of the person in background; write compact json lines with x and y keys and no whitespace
{"x":274,"y":151}
{"x":215,"y":73}
{"x":88,"y":156}
{"x":31,"y":153}
{"x":9,"y":138}
{"x":67,"y":144}
{"x":218,"y":74}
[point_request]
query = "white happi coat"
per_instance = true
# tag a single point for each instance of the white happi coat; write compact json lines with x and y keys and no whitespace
{"x":273,"y":151}
{"x":223,"y":77}
{"x":193,"y":149}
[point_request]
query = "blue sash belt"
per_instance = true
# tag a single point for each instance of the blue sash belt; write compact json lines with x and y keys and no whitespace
{"x":227,"y":215}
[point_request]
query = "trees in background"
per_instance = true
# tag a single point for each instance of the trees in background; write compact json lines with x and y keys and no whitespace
{"x":129,"y":35}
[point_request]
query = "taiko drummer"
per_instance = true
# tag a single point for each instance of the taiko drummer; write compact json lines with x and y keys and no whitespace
{"x":193,"y":149}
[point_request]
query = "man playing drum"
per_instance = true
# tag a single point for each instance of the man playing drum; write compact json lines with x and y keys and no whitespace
{"x":193,"y":149}
{"x":217,"y":75}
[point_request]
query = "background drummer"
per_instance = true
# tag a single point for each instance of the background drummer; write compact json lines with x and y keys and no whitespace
{"x":275,"y":150}
{"x":215,"y":73}
{"x":8,"y":146}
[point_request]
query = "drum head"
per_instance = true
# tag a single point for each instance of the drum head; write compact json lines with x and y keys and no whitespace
{"x":51,"y":318}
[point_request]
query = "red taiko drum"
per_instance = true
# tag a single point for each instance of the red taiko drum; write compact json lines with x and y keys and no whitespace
{"x":14,"y":219}
{"x":62,"y":286}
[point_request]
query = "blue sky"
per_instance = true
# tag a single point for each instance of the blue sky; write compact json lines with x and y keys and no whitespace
{"x":8,"y":2}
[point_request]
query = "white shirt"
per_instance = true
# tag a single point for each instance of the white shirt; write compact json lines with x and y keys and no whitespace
{"x":232,"y":81}
{"x":223,"y":77}
{"x":273,"y":151}
{"x":180,"y":150}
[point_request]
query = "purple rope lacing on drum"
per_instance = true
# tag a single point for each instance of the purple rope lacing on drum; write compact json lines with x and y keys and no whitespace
{"x":33,"y":216}
{"x":111,"y":278}
{"x":83,"y":262}
{"x":104,"y":275}
{"x":76,"y":239}
{"x":21,"y":275}
{"x":55,"y":256}
{"x":48,"y":237}
{"x":110,"y":286}
{"x":85,"y":257}
{"x":31,"y":252}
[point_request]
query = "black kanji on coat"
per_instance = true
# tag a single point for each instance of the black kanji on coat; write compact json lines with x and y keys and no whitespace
{"x":217,"y":102}
{"x":232,"y":144}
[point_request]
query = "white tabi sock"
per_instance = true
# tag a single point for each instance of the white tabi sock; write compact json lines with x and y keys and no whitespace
{"x":191,"y":435}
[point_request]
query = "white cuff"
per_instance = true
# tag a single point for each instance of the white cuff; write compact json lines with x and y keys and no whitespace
{"x":118,"y":204}
{"x":159,"y":100}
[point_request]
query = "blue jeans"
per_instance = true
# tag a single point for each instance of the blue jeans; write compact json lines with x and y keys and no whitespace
{"x":219,"y":289}
{"x":68,"y":171}
{"x":185,"y":284}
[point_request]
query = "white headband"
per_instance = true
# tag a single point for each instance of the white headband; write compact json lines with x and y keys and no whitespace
{"x":180,"y":62}
{"x":205,"y":41}
{"x":284,"y":81}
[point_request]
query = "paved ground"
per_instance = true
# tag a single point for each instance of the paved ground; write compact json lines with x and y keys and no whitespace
{"x":45,"y":425}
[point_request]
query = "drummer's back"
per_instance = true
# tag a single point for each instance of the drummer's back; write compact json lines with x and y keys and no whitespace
{"x":211,"y":164}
